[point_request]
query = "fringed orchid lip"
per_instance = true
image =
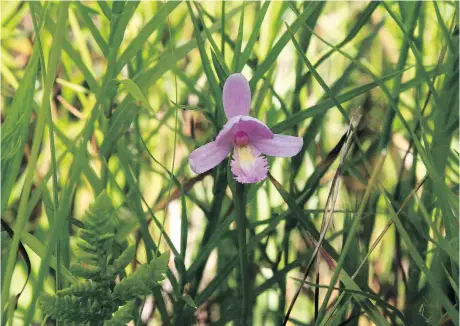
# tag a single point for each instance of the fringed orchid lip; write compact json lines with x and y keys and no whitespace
{"x":249,"y":138}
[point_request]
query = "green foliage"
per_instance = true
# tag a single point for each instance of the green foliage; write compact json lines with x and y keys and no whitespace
{"x":122,"y":316}
{"x":133,"y":89}
{"x":97,"y":299}
{"x":105,"y":100}
{"x":143,"y":280}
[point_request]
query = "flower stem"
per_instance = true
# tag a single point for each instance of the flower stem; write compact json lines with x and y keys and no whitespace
{"x":239,"y":200}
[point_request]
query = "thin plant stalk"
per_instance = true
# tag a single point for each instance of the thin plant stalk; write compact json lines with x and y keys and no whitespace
{"x":239,"y":201}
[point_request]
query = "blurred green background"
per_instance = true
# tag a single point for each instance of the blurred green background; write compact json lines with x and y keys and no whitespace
{"x":126,"y":96}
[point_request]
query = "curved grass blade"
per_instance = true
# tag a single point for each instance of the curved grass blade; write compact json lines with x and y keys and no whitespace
{"x":253,"y":38}
{"x":141,"y":38}
{"x":280,"y":44}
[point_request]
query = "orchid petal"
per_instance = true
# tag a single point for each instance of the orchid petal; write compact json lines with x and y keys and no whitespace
{"x":208,"y":156}
{"x":279,"y":145}
{"x":236,"y":96}
{"x":253,"y":127}
{"x":248,"y":165}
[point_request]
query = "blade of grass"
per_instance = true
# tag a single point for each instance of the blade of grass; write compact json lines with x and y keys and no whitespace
{"x":240,"y":208}
{"x":243,"y":59}
{"x":148,"y":29}
{"x":239,"y":41}
{"x":316,"y":74}
{"x":439,"y":184}
{"x":319,"y":108}
{"x":49,"y":121}
{"x":373,"y":313}
{"x":315,"y":124}
{"x":79,"y":39}
{"x":444,"y":30}
{"x":431,"y":279}
{"x":17,"y":123}
{"x":216,"y":52}
{"x":100,"y":41}
{"x":71,"y":52}
{"x":372,"y":248}
{"x":20,"y":223}
{"x":280,"y":44}
{"x":216,"y":91}
{"x":105,"y":9}
{"x":39,"y":249}
{"x":369,"y":295}
{"x":358,"y":25}
{"x":415,"y":51}
{"x":166,"y":61}
{"x":171,"y":173}
{"x":366,"y":304}
{"x":222,"y":30}
{"x":403,"y":55}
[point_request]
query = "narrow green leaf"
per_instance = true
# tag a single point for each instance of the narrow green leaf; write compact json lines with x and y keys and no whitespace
{"x":148,"y":29}
{"x":208,"y":70}
{"x":239,"y":41}
{"x":218,"y":56}
{"x":100,"y":41}
{"x":188,"y":300}
{"x":136,"y":92}
{"x":431,"y":279}
{"x":279,"y":46}
{"x":253,"y":38}
{"x":316,"y":74}
{"x":323,"y":106}
{"x":16,"y":127}
{"x":52,"y":68}
{"x":105,"y":9}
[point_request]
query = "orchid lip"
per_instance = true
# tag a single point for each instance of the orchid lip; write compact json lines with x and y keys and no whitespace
{"x":241,"y":138}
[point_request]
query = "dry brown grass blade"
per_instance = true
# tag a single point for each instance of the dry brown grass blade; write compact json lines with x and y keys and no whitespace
{"x":176,"y":192}
{"x":328,"y":211}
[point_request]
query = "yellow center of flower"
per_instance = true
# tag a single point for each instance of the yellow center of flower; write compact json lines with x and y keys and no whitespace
{"x":246,"y":158}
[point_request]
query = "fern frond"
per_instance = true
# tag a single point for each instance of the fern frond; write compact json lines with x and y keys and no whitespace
{"x":84,"y":270}
{"x":95,"y":299}
{"x":123,"y":315}
{"x":66,"y":308}
{"x":80,"y":289}
{"x":124,"y":259}
{"x":101,"y":216}
{"x":143,"y":280}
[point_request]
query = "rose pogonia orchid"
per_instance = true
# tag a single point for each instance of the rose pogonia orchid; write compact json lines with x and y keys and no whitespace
{"x":249,"y":138}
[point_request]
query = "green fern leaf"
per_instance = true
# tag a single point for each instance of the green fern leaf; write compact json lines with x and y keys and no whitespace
{"x":124,"y":259}
{"x":143,"y":280}
{"x":123,"y":316}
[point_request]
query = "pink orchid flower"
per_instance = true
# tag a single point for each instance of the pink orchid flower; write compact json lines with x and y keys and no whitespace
{"x":249,"y":138}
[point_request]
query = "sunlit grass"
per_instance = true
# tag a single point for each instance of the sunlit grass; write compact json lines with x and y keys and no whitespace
{"x":114,"y":96}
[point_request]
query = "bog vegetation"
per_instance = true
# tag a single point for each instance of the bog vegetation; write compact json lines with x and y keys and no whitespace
{"x":104,"y":221}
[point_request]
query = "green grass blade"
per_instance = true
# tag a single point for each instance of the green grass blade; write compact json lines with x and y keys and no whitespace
{"x":239,"y":41}
{"x":323,"y":106}
{"x":53,"y":61}
{"x":141,"y":38}
{"x":366,"y":304}
{"x":316,"y":74}
{"x":431,"y":279}
{"x":403,"y":55}
{"x":17,"y":124}
{"x":100,"y":41}
{"x":245,"y":55}
{"x":216,"y":91}
{"x":280,"y":44}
